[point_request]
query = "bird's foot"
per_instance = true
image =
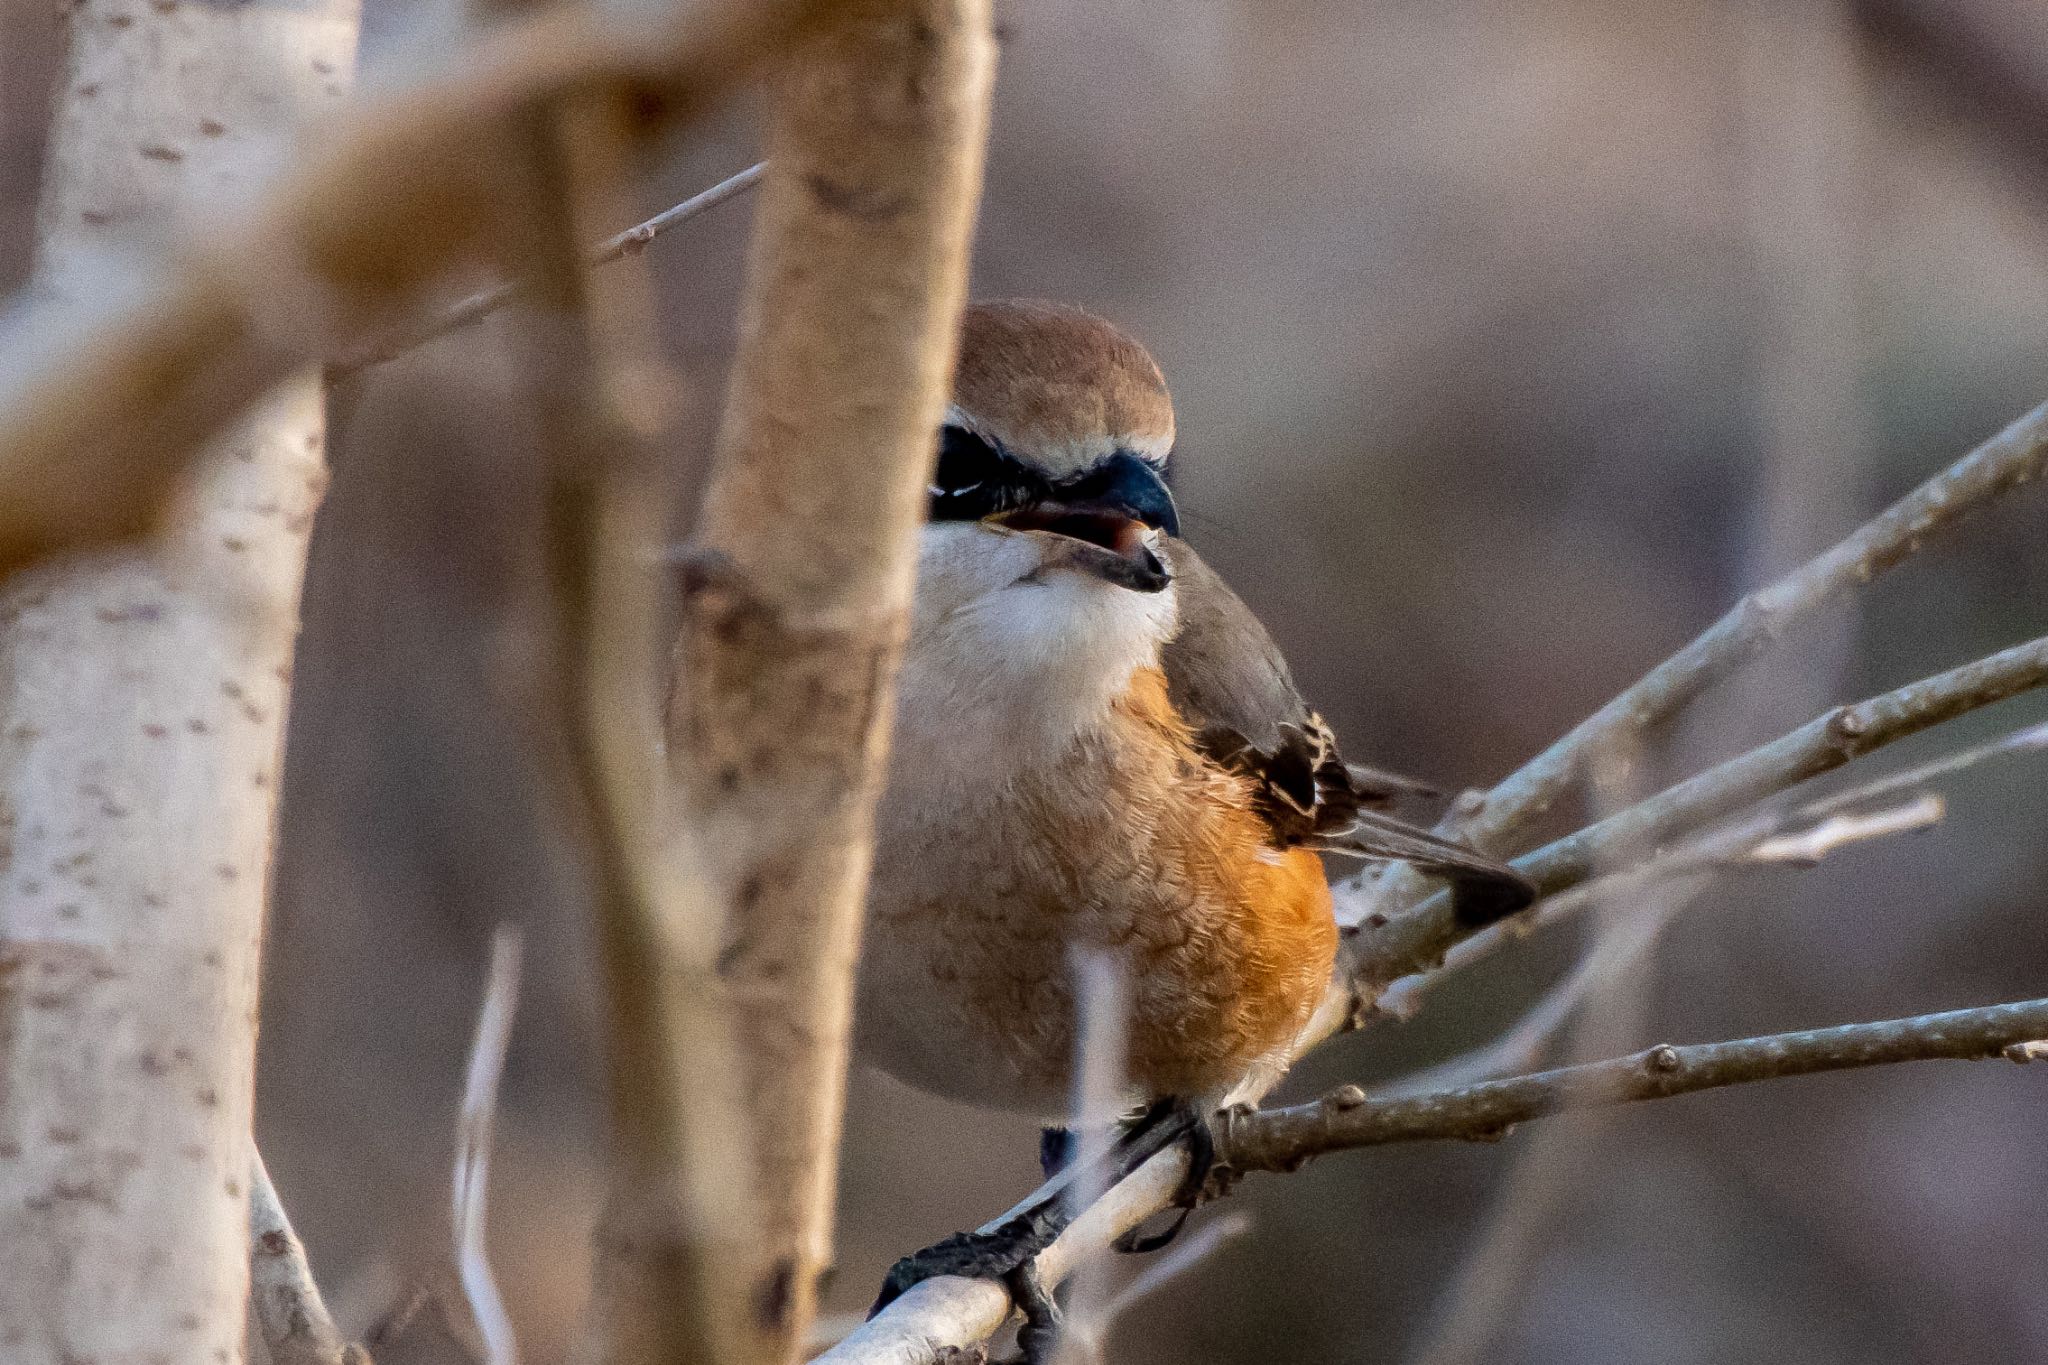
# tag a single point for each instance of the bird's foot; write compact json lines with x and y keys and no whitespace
{"x":1205,"y":1180}
{"x":1003,"y":1253}
{"x":1006,"y":1251}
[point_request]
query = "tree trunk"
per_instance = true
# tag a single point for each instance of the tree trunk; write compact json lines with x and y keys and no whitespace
{"x":142,"y":705}
{"x":796,"y":600}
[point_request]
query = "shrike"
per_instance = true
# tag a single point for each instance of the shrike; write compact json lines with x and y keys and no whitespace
{"x":1097,"y":745}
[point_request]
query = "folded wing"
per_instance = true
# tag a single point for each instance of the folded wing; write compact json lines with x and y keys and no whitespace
{"x":1229,"y":680}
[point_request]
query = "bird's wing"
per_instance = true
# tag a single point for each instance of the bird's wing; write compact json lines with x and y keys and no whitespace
{"x":1228,"y":679}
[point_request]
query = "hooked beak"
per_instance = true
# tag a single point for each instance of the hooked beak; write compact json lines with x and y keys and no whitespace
{"x":1110,"y":514}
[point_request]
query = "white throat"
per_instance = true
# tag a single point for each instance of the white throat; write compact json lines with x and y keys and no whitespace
{"x":1007,"y":666}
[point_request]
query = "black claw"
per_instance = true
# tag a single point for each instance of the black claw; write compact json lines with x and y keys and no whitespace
{"x":1201,"y":1141}
{"x":1006,"y":1253}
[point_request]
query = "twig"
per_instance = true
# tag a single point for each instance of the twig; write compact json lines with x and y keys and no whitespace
{"x":1809,"y":846}
{"x":480,"y":305}
{"x":293,"y":1318}
{"x":473,"y":1139}
{"x":1720,"y":849}
{"x":1417,"y":939}
{"x":2014,"y":457}
{"x":1522,"y":1045}
{"x":2026,"y":739}
{"x":1284,"y":1139}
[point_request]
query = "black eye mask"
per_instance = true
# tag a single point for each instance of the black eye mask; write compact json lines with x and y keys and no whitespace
{"x":976,"y":480}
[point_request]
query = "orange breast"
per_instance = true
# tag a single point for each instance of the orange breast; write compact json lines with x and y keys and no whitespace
{"x":1131,"y":843}
{"x":1250,"y":960}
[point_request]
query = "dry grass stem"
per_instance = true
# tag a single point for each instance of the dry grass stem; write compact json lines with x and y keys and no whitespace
{"x":474,"y":1134}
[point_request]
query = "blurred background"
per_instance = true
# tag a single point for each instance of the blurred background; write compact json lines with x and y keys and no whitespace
{"x":1512,"y":341}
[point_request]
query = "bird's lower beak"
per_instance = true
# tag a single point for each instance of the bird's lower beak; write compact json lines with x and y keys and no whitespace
{"x":1112,"y":518}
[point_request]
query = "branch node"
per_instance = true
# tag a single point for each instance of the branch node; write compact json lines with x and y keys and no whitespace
{"x":1344,"y":1098}
{"x":1849,"y":722}
{"x":1663,"y":1059}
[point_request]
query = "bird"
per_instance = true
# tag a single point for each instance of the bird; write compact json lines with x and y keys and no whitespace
{"x":1097,"y":747}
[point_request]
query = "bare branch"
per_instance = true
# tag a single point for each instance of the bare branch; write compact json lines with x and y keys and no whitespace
{"x":2008,"y":460}
{"x":473,"y":1140}
{"x":1284,"y":1139}
{"x":1718,"y":850}
{"x":97,"y":418}
{"x":296,"y":1326}
{"x":1417,"y":939}
{"x":793,"y":622}
{"x":1809,"y":846}
{"x":480,"y":305}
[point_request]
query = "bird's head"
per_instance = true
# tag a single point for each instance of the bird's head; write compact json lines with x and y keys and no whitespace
{"x":1044,"y":580}
{"x":1052,"y":463}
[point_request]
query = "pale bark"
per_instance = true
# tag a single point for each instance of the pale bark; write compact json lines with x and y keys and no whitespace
{"x":796,"y":597}
{"x":143,"y":697}
{"x":97,"y":419}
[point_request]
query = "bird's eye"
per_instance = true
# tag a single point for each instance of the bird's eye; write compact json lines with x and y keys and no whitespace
{"x":975,"y":479}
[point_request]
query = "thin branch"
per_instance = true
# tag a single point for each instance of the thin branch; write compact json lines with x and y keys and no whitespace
{"x":1522,"y":1045}
{"x":1083,"y":1340}
{"x":1722,"y":849}
{"x":1417,"y":939}
{"x":292,"y":1317}
{"x":473,"y":1140}
{"x":480,"y":305}
{"x":2026,"y":739}
{"x":1809,"y":846}
{"x":1286,"y":1138}
{"x":2014,"y":457}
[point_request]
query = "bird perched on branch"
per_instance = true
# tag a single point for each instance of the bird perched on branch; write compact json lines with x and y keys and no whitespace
{"x":1097,"y":745}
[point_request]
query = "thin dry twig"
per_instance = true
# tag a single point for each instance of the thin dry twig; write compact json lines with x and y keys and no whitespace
{"x":1083,"y":1340}
{"x":1724,"y":849}
{"x":474,"y":1133}
{"x":1808,"y":847}
{"x":2015,"y":456}
{"x":297,"y":1329}
{"x":476,"y":307}
{"x":1417,"y":940}
{"x":1284,"y":1139}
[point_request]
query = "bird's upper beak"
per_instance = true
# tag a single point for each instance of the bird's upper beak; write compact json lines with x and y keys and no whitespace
{"x":1114,"y":509}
